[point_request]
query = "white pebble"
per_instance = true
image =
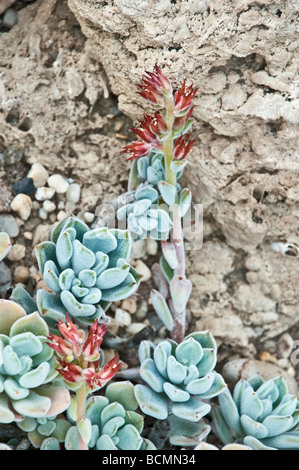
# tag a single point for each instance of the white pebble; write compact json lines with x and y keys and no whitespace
{"x":49,"y":206}
{"x":151,"y":247}
{"x":22,"y":205}
{"x":43,"y":214}
{"x":134,"y":328}
{"x":61,"y":215}
{"x":61,"y":205}
{"x":44,"y":193}
{"x":39,"y":174}
{"x":122,"y":318}
{"x":88,"y":217}
{"x":73,"y":193}
{"x":143,"y":270}
{"x":58,"y":183}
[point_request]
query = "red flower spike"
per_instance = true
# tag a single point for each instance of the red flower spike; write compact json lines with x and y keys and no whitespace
{"x":95,"y":379}
{"x":183,"y":99}
{"x":62,"y":348}
{"x":156,"y":87}
{"x":93,"y":341}
{"x":70,"y":372}
{"x":182,"y":147}
{"x":181,"y":120}
{"x":137,"y":149}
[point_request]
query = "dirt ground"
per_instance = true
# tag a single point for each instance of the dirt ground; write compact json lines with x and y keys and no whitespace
{"x":65,"y":104}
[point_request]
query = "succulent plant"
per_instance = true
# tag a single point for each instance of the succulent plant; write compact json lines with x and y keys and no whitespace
{"x":85,"y":269}
{"x":46,"y":433}
{"x":206,"y":446}
{"x":111,"y":421}
{"x":144,"y":216}
{"x":27,"y":367}
{"x":5,"y":245}
{"x":260,"y":414}
{"x":179,"y":377}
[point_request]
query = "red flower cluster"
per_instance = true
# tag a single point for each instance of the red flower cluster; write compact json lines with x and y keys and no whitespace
{"x":79,"y":355}
{"x":157,"y":89}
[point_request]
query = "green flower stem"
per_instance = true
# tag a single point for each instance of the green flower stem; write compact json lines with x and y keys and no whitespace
{"x":168,"y":143}
{"x":81,"y":396}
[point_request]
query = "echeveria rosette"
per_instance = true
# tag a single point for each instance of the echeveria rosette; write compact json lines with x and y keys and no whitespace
{"x":86,"y":269}
{"x":27,"y":367}
{"x":260,"y":414}
{"x":46,"y":433}
{"x":111,"y":421}
{"x":144,"y":216}
{"x":179,"y":377}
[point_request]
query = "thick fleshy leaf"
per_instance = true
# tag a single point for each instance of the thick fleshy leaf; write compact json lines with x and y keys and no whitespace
{"x":192,"y":374}
{"x":135,"y":419}
{"x":111,"y":411}
{"x":278,"y":424}
{"x":72,"y":439}
{"x":69,"y":222}
{"x":192,"y":410}
{"x":32,"y":323}
{"x":168,"y":192}
{"x":205,"y":339}
{"x":145,"y":350}
{"x":134,"y":179}
{"x":207,"y":363}
{"x":287,"y":441}
{"x":44,"y":252}
{"x":34,"y":406}
{"x":105,"y":443}
{"x":9,"y":312}
{"x":178,"y":165}
{"x":64,"y":247}
{"x":150,"y":374}
{"x":82,"y":258}
{"x":123,"y":393}
{"x":162,"y":309}
{"x":151,"y":403}
{"x":142,"y":165}
{"x":113,"y":277}
{"x":169,"y":253}
{"x":6,"y":414}
{"x":14,"y":390}
{"x":230,"y":412}
{"x":185,"y":201}
{"x":250,"y":404}
{"x":180,"y":290}
{"x":202,"y":385}
{"x":253,"y":428}
{"x":21,"y":296}
{"x":84,"y":429}
{"x":145,"y":193}
{"x":26,"y":344}
{"x":216,"y":389}
{"x":123,"y":249}
{"x":287,"y":406}
{"x":175,"y":371}
{"x":11,"y":362}
{"x":100,"y":239}
{"x":175,"y":393}
{"x":222,"y":429}
{"x":189,"y":352}
{"x":50,"y":443}
{"x":166,"y":269}
{"x":112,"y":426}
{"x":122,"y":291}
{"x":74,"y":307}
{"x":94,"y":407}
{"x":59,"y":397}
{"x":35,"y":377}
{"x":161,"y":353}
{"x":129,"y":438}
{"x":51,"y":276}
{"x":255,"y":444}
{"x":268,"y":390}
{"x":185,"y":433}
{"x":50,"y":306}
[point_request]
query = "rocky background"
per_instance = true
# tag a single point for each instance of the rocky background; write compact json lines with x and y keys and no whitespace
{"x":68,"y":74}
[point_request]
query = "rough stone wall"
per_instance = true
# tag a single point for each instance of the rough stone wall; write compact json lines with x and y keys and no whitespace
{"x":243,"y":57}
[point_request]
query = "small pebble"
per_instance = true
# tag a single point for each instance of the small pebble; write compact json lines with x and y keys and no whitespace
{"x":138,"y":249}
{"x":130,"y":305}
{"x":5,"y":278}
{"x":122,"y":317}
{"x":49,"y":206}
{"x":22,"y":205}
{"x":9,"y":225}
{"x":61,"y":215}
{"x":268,"y":357}
{"x":142,"y":310}
{"x":134,"y":328}
{"x":41,"y":234}
{"x":17,"y":252}
{"x":73,"y":193}
{"x":143,"y":270}
{"x":25,"y":186}
{"x":39,"y":175}
{"x":61,"y":205}
{"x":21,"y":274}
{"x":28,"y":235}
{"x":10,"y":18}
{"x":88,"y":217}
{"x":58,"y":183}
{"x":43,"y":214}
{"x":151,"y":247}
{"x":44,"y":193}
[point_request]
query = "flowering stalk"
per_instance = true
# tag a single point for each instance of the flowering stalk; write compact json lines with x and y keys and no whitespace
{"x":78,"y":357}
{"x":168,"y":132}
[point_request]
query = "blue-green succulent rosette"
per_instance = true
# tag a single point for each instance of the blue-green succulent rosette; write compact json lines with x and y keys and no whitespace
{"x":260,"y":414}
{"x":180,"y":380}
{"x":85,"y":269}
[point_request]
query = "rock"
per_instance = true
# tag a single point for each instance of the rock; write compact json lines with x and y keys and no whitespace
{"x":5,"y":278}
{"x":21,"y":274}
{"x":43,"y":214}
{"x":8,"y":224}
{"x":39,"y":175}
{"x":130,"y":305}
{"x":73,"y":193}
{"x":89,"y":217}
{"x":142,"y":310}
{"x":143,"y":270}
{"x":41,"y":234}
{"x":122,"y":317}
{"x":44,"y":193}
{"x":5,"y":4}
{"x":75,"y":83}
{"x":5,"y":198}
{"x":151,"y":247}
{"x":285,"y":346}
{"x":10,"y":18}
{"x":238,"y":369}
{"x":61,"y":215}
{"x":17,"y":252}
{"x":22,"y":204}
{"x":58,"y":183}
{"x":134,"y":328}
{"x":138,"y":249}
{"x":25,"y":186}
{"x":49,"y":206}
